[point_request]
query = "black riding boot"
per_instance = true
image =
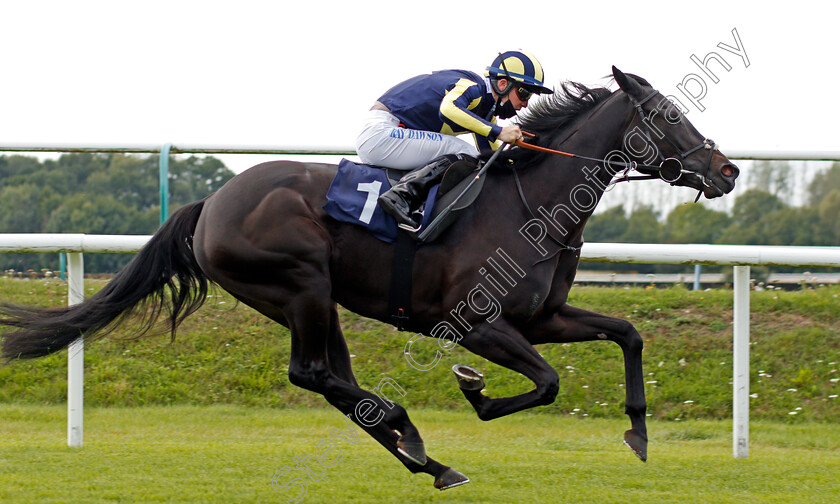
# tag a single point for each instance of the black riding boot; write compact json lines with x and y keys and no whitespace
{"x":403,"y":200}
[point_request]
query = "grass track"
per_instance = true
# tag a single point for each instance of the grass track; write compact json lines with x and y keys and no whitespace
{"x":231,"y":453}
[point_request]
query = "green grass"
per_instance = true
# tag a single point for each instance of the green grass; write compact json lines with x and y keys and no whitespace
{"x":211,"y":417}
{"x":229,"y":354}
{"x":230,"y":454}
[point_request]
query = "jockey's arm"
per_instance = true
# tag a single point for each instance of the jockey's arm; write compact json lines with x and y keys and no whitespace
{"x":457,"y":106}
{"x":452,"y":108}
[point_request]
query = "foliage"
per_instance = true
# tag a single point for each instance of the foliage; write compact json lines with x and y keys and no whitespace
{"x":95,"y":194}
{"x":694,"y":223}
{"x":759,"y":216}
{"x":752,"y":219}
{"x":823,"y":184}
{"x":607,"y":226}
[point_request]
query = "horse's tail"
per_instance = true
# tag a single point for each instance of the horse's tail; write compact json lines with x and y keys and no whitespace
{"x":165,"y":263}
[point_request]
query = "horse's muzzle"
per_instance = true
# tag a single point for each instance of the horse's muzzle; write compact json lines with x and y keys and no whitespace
{"x":722,"y":182}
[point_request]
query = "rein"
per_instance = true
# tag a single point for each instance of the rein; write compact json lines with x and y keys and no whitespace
{"x":628,"y":167}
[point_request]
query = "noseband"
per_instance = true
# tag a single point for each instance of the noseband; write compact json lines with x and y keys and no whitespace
{"x":674,"y":164}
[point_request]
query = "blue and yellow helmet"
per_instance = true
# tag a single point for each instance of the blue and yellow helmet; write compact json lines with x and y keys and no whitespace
{"x":520,"y":66}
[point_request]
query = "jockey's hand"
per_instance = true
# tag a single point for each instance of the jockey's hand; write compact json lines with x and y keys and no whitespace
{"x":510,"y":134}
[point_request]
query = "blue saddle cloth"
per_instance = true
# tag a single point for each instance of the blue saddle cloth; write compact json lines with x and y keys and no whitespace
{"x":352,"y":198}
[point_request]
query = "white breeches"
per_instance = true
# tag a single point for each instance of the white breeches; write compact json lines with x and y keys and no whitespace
{"x":383,"y":143}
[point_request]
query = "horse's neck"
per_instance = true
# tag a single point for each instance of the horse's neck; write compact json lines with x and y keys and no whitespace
{"x":576,"y":185}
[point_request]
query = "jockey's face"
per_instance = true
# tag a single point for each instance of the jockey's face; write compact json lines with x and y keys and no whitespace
{"x":515,"y":100}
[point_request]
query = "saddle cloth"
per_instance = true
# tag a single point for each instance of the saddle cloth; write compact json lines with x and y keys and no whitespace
{"x":352,"y":198}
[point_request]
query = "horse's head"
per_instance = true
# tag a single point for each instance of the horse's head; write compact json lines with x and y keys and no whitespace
{"x":659,"y":134}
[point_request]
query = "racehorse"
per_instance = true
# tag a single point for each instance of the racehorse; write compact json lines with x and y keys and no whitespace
{"x":496,"y":282}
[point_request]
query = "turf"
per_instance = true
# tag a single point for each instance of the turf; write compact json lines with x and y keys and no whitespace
{"x":231,"y":454}
{"x":212,"y":417}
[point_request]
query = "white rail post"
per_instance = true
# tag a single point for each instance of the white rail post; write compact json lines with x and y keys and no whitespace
{"x":741,"y":363}
{"x":75,"y":354}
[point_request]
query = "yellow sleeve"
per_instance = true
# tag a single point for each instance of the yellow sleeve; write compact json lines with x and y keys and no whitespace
{"x":471,"y":122}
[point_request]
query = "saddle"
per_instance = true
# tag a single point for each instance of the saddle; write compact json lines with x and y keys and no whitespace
{"x":354,"y":190}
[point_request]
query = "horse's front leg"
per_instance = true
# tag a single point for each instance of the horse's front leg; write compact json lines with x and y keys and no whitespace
{"x":501,"y":343}
{"x":570,"y":324}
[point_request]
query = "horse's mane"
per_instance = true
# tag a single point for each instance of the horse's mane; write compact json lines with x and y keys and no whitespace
{"x":550,"y":114}
{"x":548,"y":117}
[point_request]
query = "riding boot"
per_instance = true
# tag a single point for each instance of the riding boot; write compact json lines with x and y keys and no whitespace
{"x":403,"y":200}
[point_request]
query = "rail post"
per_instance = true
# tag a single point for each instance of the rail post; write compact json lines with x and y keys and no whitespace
{"x":741,"y":363}
{"x":164,"y":182}
{"x":75,"y":354}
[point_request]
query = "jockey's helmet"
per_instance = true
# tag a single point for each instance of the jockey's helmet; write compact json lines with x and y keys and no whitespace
{"x":521,"y":67}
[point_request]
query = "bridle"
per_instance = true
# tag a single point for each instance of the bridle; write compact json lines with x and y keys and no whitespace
{"x":707,"y":144}
{"x":670,"y":169}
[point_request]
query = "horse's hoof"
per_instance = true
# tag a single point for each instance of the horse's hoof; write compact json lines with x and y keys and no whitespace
{"x":468,"y":378}
{"x":450,"y":478}
{"x":413,"y":451}
{"x":637,"y":443}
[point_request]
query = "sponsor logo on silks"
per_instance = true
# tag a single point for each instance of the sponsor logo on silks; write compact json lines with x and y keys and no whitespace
{"x":410,"y":134}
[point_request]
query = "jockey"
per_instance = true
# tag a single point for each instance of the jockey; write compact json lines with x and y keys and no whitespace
{"x":413,"y":126}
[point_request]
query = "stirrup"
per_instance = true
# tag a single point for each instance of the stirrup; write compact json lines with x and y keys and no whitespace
{"x":408,"y":228}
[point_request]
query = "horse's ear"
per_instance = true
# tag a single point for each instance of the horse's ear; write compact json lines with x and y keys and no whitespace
{"x":627,"y":84}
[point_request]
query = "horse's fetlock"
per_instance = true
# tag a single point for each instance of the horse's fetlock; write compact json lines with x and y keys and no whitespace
{"x":550,"y":394}
{"x":632,"y":409}
{"x":549,"y":390}
{"x":309,"y":378}
{"x":484,"y":415}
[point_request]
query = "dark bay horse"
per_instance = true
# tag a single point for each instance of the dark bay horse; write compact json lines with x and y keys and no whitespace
{"x":496,"y":282}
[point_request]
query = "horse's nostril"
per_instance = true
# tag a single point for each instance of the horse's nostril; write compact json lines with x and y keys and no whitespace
{"x":729,"y":170}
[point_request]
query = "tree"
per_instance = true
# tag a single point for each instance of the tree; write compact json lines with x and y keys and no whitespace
{"x":13,"y":166}
{"x":750,"y":225}
{"x":96,"y":214}
{"x":607,"y":226}
{"x":829,"y":215}
{"x":643,"y":227}
{"x":134,"y":180}
{"x":95,"y":193}
{"x":794,"y":226}
{"x":823,"y":184}
{"x":25,"y":208}
{"x":194,"y":178}
{"x":772,"y":177}
{"x":694,"y":223}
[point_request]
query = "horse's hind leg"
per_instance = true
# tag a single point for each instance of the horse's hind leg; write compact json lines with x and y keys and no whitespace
{"x":340,"y":365}
{"x":310,"y":323}
{"x":320,"y":362}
